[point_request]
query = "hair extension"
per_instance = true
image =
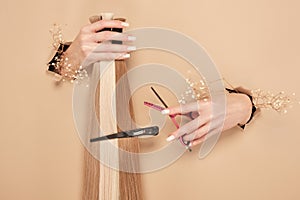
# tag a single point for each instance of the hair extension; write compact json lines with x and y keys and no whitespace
{"x":91,"y":174}
{"x":101,"y":182}
{"x":91,"y":165}
{"x":129,"y":183}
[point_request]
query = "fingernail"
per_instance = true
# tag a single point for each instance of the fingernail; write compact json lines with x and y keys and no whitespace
{"x":170,"y":138}
{"x":165,"y":111}
{"x":126,"y":55}
{"x":131,"y":38}
{"x":131,"y":48}
{"x":124,"y":24}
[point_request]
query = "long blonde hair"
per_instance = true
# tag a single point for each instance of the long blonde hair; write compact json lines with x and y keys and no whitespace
{"x":100,"y":181}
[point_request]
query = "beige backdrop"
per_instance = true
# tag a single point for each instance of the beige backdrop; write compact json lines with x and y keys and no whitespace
{"x":255,"y":43}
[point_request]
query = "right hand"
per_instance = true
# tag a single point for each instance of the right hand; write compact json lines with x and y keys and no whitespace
{"x":237,"y":111}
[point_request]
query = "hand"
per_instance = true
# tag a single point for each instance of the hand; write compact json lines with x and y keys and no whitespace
{"x":91,"y":46}
{"x":238,"y":111}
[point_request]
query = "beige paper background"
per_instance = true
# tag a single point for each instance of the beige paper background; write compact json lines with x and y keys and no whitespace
{"x":253,"y":43}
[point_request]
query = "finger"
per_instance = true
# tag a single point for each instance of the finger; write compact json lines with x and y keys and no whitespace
{"x":198,"y":133}
{"x":115,"y":48}
{"x":188,"y":128}
{"x":185,"y":108}
{"x":212,"y":125}
{"x":110,"y":35}
{"x":210,"y":133}
{"x":197,"y":141}
{"x":99,"y":25}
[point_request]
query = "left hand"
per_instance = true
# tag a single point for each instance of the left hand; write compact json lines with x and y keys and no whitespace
{"x":238,"y":111}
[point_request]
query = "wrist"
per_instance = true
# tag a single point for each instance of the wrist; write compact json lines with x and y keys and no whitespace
{"x":66,"y":65}
{"x":245,"y":108}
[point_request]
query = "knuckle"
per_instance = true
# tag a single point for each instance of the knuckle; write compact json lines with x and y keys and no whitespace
{"x":81,"y":39}
{"x":92,"y":37}
{"x":101,"y":23}
{"x":84,"y":29}
{"x":106,"y":35}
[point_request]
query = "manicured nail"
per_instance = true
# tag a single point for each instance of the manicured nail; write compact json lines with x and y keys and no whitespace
{"x":126,"y":55}
{"x":131,"y":48}
{"x":165,"y":111}
{"x":124,"y":24}
{"x":170,"y":138}
{"x":131,"y":38}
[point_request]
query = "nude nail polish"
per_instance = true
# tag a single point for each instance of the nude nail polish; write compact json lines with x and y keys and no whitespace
{"x":170,"y":138}
{"x":124,"y":24}
{"x":126,"y":55}
{"x":131,"y":38}
{"x":131,"y":48}
{"x":165,"y":111}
